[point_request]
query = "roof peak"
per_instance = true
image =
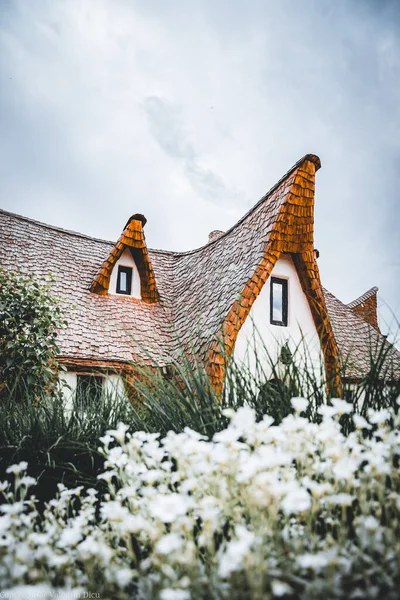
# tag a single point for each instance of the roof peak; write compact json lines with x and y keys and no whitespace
{"x":137,"y":216}
{"x":368,"y":294}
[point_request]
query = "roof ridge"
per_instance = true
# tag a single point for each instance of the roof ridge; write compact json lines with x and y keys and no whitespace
{"x":54,"y":227}
{"x":368,"y":294}
{"x":311,"y":157}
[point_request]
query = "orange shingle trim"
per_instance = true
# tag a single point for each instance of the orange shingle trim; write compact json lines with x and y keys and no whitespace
{"x":133,"y":238}
{"x":94,"y":365}
{"x":293,"y":233}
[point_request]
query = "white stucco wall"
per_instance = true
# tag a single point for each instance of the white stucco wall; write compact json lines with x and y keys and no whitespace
{"x":114,"y":386}
{"x":68,"y":383}
{"x":300,"y":332}
{"x":126,"y":260}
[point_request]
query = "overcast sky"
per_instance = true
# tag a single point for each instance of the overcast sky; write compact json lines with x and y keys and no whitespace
{"x":189,"y":111}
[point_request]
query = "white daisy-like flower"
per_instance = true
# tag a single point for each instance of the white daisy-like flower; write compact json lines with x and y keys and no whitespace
{"x":341,"y":406}
{"x":169,"y":543}
{"x":299,"y":404}
{"x":119,"y":433}
{"x":360,"y":422}
{"x":280,"y":588}
{"x":17,"y":469}
{"x":167,"y":508}
{"x":380,"y":416}
{"x":174,"y":594}
{"x":316,"y":562}
{"x":342,"y":499}
{"x":296,"y":501}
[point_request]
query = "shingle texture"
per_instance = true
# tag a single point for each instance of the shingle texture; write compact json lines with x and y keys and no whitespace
{"x":360,"y":343}
{"x":195,"y":290}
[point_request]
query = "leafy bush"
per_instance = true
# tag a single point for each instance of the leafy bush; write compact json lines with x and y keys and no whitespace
{"x":29,"y":319}
{"x":296,"y":510}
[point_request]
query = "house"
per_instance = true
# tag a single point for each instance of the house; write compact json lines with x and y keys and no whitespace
{"x":128,"y":305}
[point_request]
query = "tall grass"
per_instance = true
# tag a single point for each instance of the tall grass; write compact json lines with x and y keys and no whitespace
{"x":62,"y":445}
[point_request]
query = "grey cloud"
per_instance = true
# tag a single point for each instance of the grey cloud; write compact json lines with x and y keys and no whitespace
{"x":166,"y":125}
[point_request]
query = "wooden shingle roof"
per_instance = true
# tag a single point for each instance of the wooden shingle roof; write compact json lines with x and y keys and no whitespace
{"x":360,"y":343}
{"x":192,"y":298}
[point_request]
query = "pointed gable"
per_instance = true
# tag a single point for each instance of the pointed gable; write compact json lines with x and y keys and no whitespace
{"x":362,"y":346}
{"x":132,"y":238}
{"x":282,"y":222}
{"x":366,"y":306}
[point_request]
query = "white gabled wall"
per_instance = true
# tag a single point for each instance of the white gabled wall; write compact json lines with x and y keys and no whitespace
{"x":300,"y":331}
{"x":125,"y":260}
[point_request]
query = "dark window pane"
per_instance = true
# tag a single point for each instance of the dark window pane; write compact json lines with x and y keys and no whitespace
{"x":88,"y":390}
{"x":279,"y":302}
{"x":124,"y":280}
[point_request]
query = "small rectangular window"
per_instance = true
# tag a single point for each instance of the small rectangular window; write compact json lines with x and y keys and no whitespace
{"x":279,"y":302}
{"x":89,"y":389}
{"x":124,"y":280}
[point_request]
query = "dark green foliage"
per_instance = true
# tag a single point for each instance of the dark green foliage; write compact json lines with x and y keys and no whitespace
{"x":29,"y":319}
{"x":60,"y":445}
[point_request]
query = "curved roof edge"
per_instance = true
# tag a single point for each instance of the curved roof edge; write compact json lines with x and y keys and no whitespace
{"x":307,"y":157}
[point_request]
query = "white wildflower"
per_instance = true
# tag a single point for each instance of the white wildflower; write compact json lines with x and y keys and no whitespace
{"x":297,"y":500}
{"x":345,"y":468}
{"x":228,"y":413}
{"x":169,"y":543}
{"x":167,"y":508}
{"x":280,"y":588}
{"x":107,"y":475}
{"x":341,"y":406}
{"x":299,"y":404}
{"x":327,"y":412}
{"x":119,"y":433}
{"x":124,"y":577}
{"x":106,"y":440}
{"x":342,"y":499}
{"x":177,"y":594}
{"x":360,"y":422}
{"x":315,"y":562}
{"x":17,"y":469}
{"x":236,"y":551}
{"x":12,"y":509}
{"x":27,"y":481}
{"x":370,"y":523}
{"x":70,"y":536}
{"x":244,"y":419}
{"x":380,"y":416}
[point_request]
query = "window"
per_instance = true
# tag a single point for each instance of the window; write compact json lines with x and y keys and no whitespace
{"x":89,"y":389}
{"x":279,"y":302}
{"x":124,"y":280}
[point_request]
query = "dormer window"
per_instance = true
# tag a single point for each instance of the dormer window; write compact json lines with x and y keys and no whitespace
{"x":279,"y":302}
{"x":124,"y":280}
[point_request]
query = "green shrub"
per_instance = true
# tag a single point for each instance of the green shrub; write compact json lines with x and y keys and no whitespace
{"x":29,"y":320}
